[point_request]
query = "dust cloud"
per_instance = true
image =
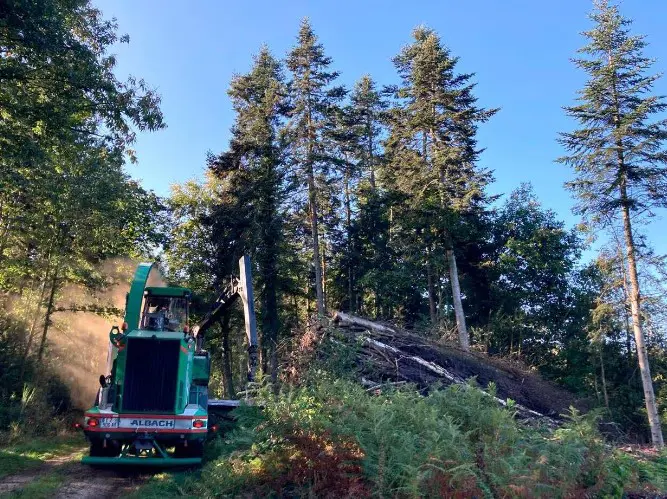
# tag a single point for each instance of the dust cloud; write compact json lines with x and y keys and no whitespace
{"x":79,"y":341}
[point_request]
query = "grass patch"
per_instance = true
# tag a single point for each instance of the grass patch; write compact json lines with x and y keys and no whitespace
{"x":42,"y":488}
{"x":164,"y":485}
{"x":32,"y":453}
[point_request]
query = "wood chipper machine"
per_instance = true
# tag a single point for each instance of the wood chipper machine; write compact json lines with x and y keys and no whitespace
{"x":152,"y":407}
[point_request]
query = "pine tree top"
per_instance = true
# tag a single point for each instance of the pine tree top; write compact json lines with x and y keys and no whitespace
{"x":619,"y":144}
{"x":307,"y":60}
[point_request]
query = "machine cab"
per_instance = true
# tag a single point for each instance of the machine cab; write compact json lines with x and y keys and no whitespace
{"x":165,"y":309}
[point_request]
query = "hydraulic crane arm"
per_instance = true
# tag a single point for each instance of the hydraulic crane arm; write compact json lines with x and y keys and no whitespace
{"x":241,"y":287}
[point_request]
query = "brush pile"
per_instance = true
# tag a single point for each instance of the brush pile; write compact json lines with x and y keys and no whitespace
{"x":390,"y":356}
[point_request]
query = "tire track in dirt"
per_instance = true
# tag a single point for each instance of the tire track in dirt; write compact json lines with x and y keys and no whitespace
{"x":16,"y":481}
{"x":83,"y":482}
{"x":79,"y":481}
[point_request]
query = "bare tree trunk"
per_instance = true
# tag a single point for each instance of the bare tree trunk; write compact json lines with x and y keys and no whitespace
{"x":271,"y":326}
{"x":324,"y":269}
{"x":31,"y":335}
{"x":464,"y":338}
{"x":371,"y":166}
{"x":348,"y":228}
{"x":47,"y":317}
{"x":642,"y":355}
{"x":295,"y":306}
{"x":431,"y":292}
{"x":604,"y":379}
{"x":307,"y":302}
{"x":227,"y":378}
{"x":626,"y":315}
{"x":634,"y":292}
{"x":314,"y":230}
{"x":263,"y":358}
{"x":312,"y":201}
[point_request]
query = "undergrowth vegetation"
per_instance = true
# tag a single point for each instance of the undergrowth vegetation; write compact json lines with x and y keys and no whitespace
{"x":329,"y":437}
{"x":33,"y":398}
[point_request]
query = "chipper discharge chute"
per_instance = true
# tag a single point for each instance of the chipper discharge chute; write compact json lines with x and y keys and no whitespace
{"x":153,"y":407}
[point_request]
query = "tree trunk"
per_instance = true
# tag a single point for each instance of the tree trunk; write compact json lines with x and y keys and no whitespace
{"x":628,"y":333}
{"x":634,"y":292}
{"x":227,"y":378}
{"x":270,"y":319}
{"x":431,"y":292}
{"x":306,"y":292}
{"x":38,"y":308}
{"x":31,"y":335}
{"x":604,"y":378}
{"x":642,"y":355}
{"x":324,"y":269}
{"x":263,"y":357}
{"x":626,"y":315}
{"x":464,"y":338}
{"x":350,"y":320}
{"x":314,"y":230}
{"x":295,"y":306}
{"x":47,"y":317}
{"x":312,"y":201}
{"x":348,"y":227}
{"x":371,"y":166}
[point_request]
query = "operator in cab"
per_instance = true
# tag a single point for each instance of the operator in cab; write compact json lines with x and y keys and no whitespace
{"x":164,"y":314}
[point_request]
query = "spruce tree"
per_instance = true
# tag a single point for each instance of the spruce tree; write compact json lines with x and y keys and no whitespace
{"x":254,"y":167}
{"x":313,"y":102}
{"x":618,"y":154}
{"x":432,"y":152}
{"x":367,"y":108}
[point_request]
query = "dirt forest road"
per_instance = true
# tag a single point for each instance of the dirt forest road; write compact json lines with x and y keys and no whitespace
{"x":65,"y":477}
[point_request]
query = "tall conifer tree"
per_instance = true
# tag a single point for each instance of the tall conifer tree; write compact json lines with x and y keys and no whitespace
{"x":313,"y":101}
{"x":432,"y":150}
{"x":367,"y":108}
{"x":618,"y":153}
{"x":256,"y":156}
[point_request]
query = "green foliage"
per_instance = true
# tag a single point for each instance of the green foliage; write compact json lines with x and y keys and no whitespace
{"x":33,"y":400}
{"x":398,"y":443}
{"x":618,"y":152}
{"x":618,"y":155}
{"x":538,"y":298}
{"x":373,"y":193}
{"x":67,"y":124}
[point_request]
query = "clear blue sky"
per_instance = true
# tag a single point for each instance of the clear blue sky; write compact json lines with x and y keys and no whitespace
{"x":519,"y":49}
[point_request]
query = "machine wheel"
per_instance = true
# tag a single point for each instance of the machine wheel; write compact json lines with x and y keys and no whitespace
{"x":194,"y":449}
{"x":97,"y":449}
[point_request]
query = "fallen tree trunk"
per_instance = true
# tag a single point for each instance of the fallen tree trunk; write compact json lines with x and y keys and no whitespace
{"x":343,"y":319}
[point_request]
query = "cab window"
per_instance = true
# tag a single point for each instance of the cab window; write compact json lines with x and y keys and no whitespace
{"x":163,"y":313}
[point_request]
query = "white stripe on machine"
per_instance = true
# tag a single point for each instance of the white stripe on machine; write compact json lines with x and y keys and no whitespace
{"x":153,"y":424}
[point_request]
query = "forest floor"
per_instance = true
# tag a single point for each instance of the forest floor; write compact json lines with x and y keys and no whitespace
{"x":52,"y":469}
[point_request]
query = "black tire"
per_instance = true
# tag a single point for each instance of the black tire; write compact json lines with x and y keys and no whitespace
{"x":194,"y":449}
{"x":97,"y":449}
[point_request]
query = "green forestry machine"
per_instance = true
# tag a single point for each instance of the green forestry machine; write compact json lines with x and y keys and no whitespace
{"x":153,"y":407}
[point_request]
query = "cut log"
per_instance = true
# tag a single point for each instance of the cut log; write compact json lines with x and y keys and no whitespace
{"x":343,"y":319}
